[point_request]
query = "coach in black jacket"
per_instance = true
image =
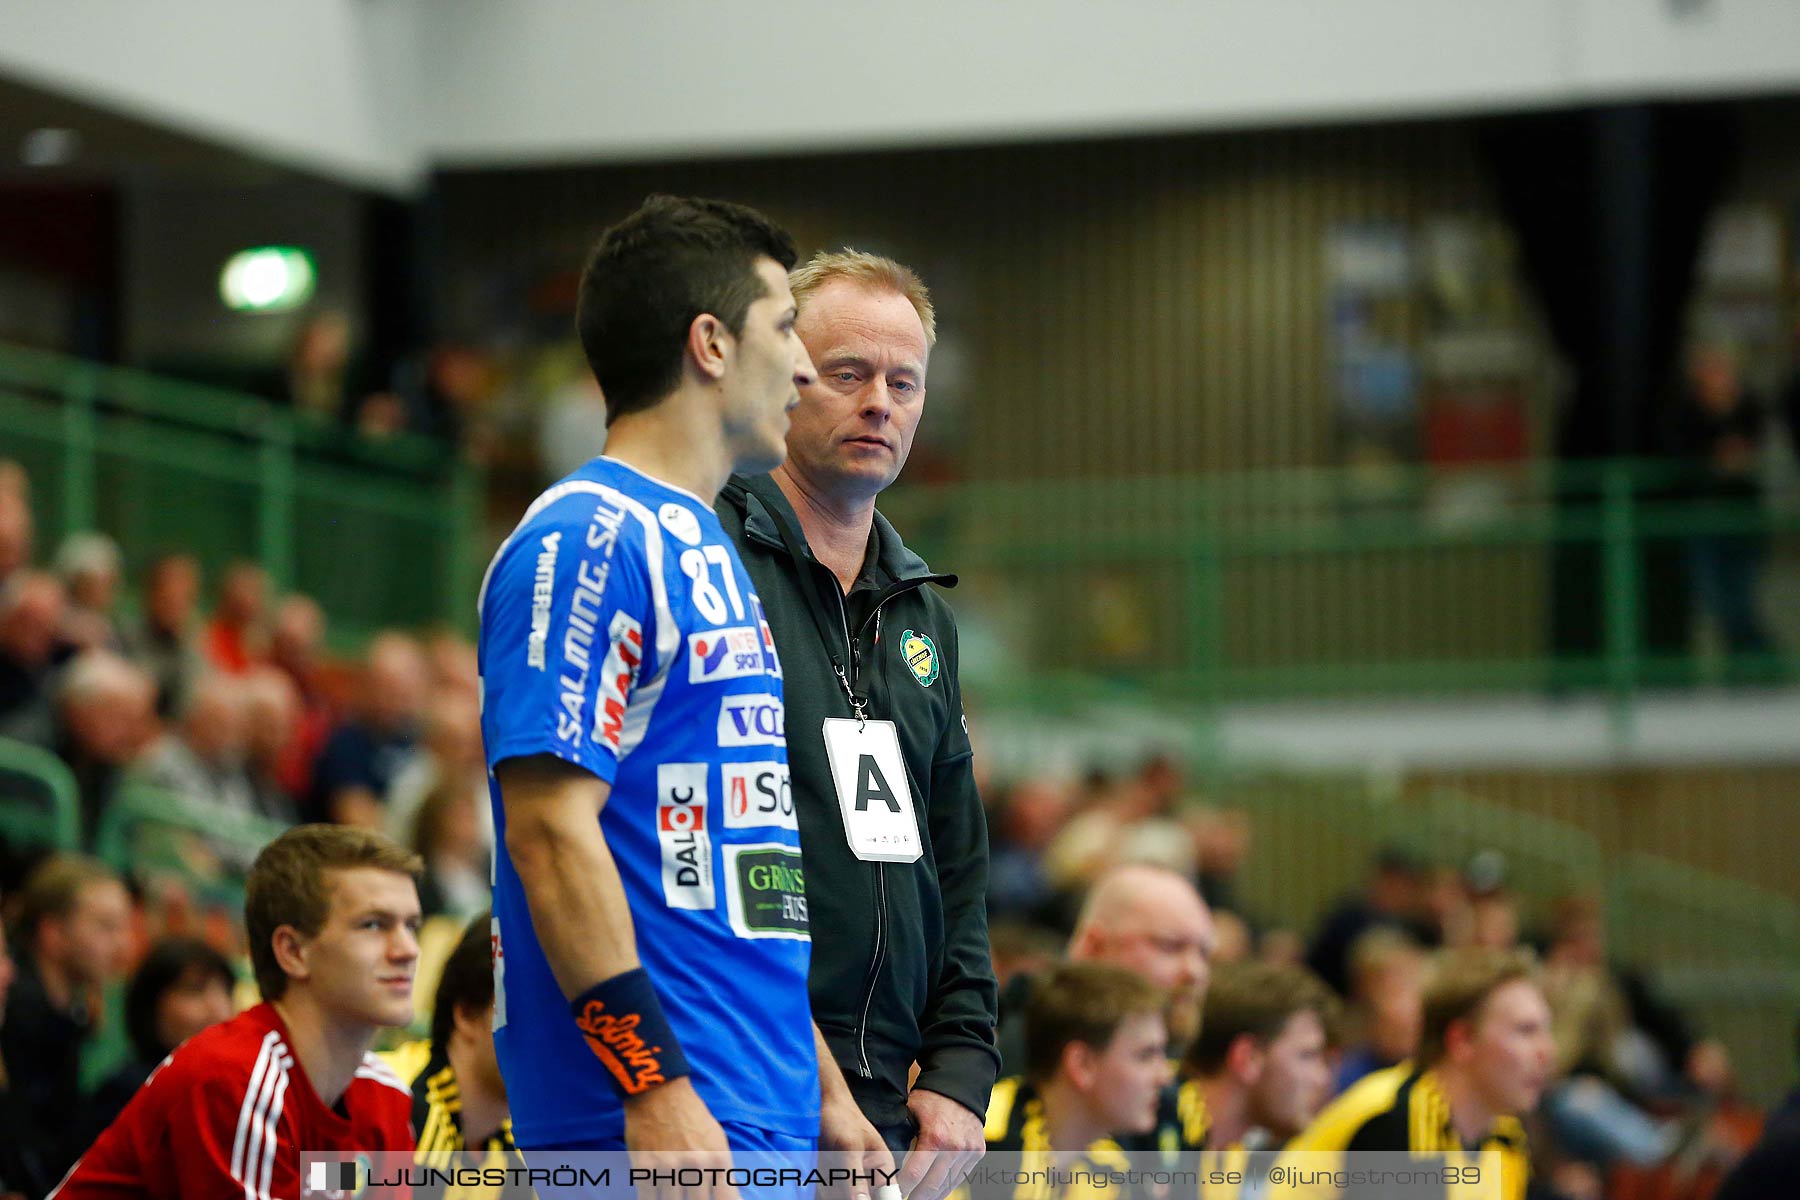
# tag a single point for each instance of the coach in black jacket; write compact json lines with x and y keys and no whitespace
{"x":901,"y":971}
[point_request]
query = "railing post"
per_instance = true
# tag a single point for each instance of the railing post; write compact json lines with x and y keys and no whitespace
{"x":1205,"y":626}
{"x":275,"y":503}
{"x":79,"y":467}
{"x":1623,"y":603}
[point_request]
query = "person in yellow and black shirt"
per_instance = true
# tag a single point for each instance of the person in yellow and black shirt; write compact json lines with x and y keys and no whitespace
{"x":1485,"y":1056}
{"x":1257,"y":1074}
{"x":460,"y":1113}
{"x":1095,"y":1043}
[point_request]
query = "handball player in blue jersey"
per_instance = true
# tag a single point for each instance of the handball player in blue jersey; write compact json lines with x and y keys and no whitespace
{"x":651,"y":936}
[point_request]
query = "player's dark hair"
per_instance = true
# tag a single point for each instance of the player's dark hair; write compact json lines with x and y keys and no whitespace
{"x":1082,"y":1002}
{"x":467,"y":981}
{"x":1255,"y":1000}
{"x":652,"y":274}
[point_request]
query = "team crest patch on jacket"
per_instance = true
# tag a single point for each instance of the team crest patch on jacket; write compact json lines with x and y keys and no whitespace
{"x":921,"y":656}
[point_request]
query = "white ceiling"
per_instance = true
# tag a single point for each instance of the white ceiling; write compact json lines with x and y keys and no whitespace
{"x":377,"y":92}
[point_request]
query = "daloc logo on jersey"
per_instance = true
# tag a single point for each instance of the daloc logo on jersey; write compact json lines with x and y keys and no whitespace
{"x":752,"y":720}
{"x":921,"y":657}
{"x":724,"y":654}
{"x":687,"y":874}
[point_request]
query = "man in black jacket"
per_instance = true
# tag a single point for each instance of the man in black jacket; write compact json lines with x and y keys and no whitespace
{"x":892,"y":828}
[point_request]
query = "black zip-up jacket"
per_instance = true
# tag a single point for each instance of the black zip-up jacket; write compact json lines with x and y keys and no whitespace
{"x":901,"y":970}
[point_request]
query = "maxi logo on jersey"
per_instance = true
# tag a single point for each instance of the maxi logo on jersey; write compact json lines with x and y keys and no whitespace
{"x":687,"y":867}
{"x":758,"y":795}
{"x":752,"y":720}
{"x":724,"y":654}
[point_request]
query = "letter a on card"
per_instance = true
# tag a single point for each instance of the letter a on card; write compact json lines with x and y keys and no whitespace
{"x":872,"y":790}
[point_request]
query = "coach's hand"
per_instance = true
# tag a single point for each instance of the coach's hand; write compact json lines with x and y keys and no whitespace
{"x":844,"y":1130}
{"x":948,"y":1146}
{"x":667,"y":1128}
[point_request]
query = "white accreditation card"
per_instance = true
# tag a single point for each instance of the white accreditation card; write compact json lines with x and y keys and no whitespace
{"x":872,"y":791}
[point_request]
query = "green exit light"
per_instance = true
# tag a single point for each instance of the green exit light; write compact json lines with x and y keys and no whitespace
{"x":267,"y":279}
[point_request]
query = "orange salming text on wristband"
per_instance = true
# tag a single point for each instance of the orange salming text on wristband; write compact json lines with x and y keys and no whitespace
{"x":615,"y":1041}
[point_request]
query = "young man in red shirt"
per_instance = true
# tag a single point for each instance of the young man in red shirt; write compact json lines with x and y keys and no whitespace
{"x":332,"y":914}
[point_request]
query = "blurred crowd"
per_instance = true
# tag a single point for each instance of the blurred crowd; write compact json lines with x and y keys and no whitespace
{"x":219,"y":696}
{"x":240,"y":709}
{"x":1134,"y":871}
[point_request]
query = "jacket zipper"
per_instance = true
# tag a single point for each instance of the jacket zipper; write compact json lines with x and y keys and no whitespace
{"x":862,"y":1022}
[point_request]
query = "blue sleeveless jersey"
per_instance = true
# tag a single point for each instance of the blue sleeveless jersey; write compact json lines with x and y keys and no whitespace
{"x":620,"y":631}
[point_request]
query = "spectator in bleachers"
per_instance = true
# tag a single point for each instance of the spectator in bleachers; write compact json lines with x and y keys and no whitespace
{"x":1146,"y":919}
{"x":182,"y":986}
{"x":366,"y":753}
{"x":318,"y":382}
{"x":202,"y":757}
{"x":1594,"y":1109}
{"x":1232,"y":940}
{"x":105,"y":717}
{"x":31,"y":611}
{"x":296,"y":641}
{"x":164,"y":643}
{"x":1394,"y":897}
{"x":447,"y":836}
{"x":1720,"y":428}
{"x":1258,"y":1073}
{"x":74,"y":925}
{"x":1024,"y":823}
{"x":1095,"y":1065}
{"x":16,"y":527}
{"x":451,"y":659}
{"x":449,"y":756}
{"x":88,"y":564}
{"x":1769,"y":1170}
{"x":271,"y":723}
{"x":23,"y":1170}
{"x":235,"y":638}
{"x":1387,"y":989}
{"x":1281,"y":947}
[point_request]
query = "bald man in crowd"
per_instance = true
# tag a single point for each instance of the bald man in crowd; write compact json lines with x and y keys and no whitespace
{"x":1144,"y":918}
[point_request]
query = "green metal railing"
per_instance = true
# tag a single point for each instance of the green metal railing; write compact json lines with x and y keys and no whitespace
{"x":40,"y":805}
{"x":1305,"y":583}
{"x":380,"y":532}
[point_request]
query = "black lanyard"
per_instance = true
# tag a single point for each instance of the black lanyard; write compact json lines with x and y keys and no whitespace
{"x":815,"y":603}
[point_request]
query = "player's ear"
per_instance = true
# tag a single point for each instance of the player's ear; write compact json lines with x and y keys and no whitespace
{"x":709,"y":345}
{"x":1080,"y":1064}
{"x":290,"y":951}
{"x":1244,"y":1058}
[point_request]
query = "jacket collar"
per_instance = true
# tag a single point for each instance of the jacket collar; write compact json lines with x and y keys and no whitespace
{"x":759,"y":496}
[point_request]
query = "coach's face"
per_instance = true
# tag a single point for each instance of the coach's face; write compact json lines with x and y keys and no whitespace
{"x":770,"y":366}
{"x":855,"y":424}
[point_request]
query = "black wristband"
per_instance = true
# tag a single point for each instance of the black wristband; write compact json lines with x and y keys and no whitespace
{"x":625,"y":1027}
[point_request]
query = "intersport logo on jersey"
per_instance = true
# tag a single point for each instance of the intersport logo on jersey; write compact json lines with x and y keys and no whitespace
{"x":752,"y":720}
{"x":724,"y":654}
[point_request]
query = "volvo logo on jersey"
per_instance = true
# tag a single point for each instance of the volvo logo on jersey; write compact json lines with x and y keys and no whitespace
{"x":756,"y":719}
{"x":687,"y":871}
